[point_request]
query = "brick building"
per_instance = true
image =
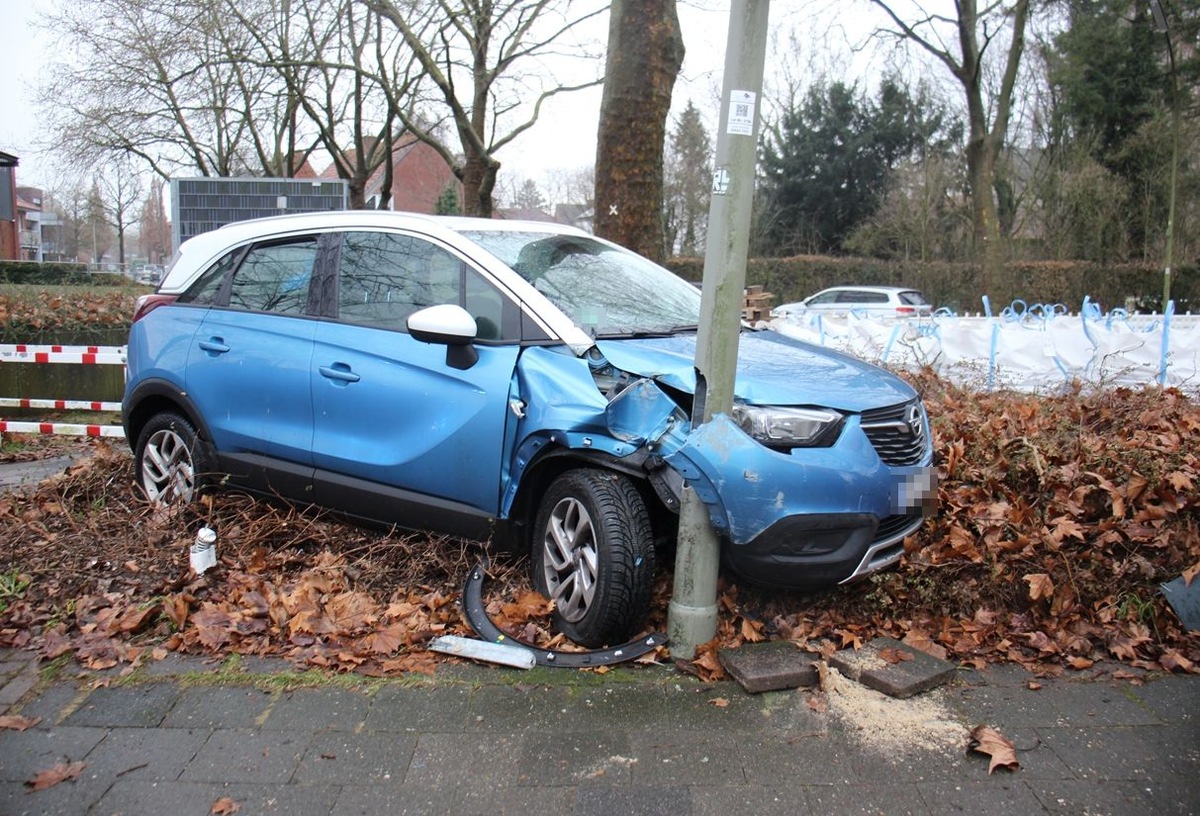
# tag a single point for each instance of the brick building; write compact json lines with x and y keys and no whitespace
{"x":10,"y":246}
{"x":419,"y":177}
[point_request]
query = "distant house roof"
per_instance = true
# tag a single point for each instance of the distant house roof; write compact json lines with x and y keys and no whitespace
{"x":305,"y":171}
{"x":24,"y":203}
{"x":31,"y":197}
{"x":8,"y":160}
{"x":579,"y":215}
{"x":518,"y":214}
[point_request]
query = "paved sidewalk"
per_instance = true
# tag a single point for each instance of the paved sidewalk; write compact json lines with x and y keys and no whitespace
{"x":642,"y":740}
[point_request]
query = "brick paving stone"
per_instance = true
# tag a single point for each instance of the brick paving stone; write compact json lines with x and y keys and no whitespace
{"x":144,"y":705}
{"x":873,"y":798}
{"x":148,"y":754}
{"x":1172,"y":796}
{"x":518,"y":801}
{"x":685,"y":758}
{"x":220,"y":707}
{"x":1126,"y":752}
{"x":16,"y":687}
{"x":1096,"y":703}
{"x":605,"y":800}
{"x":902,"y":679}
{"x":1173,"y":700}
{"x":197,"y":798}
{"x":404,"y":800}
{"x":52,"y":703}
{"x":319,"y":709}
{"x":802,"y":760}
{"x":770,"y":666}
{"x":1001,"y":796}
{"x":778,"y":798}
{"x":403,"y":709}
{"x":248,"y":755}
{"x":447,"y":759}
{"x":24,"y":753}
{"x":372,"y":758}
{"x":572,"y":758}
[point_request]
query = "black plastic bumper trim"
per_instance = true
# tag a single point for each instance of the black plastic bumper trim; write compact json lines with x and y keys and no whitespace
{"x":483,"y":626}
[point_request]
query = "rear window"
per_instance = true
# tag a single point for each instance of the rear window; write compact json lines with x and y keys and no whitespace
{"x":913,"y":298}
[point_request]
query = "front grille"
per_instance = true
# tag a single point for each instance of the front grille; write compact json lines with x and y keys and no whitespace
{"x":897,"y":433}
{"x":894,"y":525}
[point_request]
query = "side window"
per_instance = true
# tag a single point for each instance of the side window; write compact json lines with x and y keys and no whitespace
{"x":828,"y":297}
{"x":384,"y":278}
{"x":205,"y":290}
{"x":275,"y":278}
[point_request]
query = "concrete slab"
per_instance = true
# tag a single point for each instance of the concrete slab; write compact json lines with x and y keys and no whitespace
{"x":19,"y":476}
{"x":888,"y":666}
{"x":770,"y":666}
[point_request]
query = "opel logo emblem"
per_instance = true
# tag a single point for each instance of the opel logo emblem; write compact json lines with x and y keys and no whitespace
{"x":913,"y":420}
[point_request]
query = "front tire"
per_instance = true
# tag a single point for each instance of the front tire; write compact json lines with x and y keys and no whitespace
{"x":593,"y":555}
{"x":170,"y":461}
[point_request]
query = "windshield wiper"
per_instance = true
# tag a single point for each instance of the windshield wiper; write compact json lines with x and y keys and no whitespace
{"x":639,"y":334}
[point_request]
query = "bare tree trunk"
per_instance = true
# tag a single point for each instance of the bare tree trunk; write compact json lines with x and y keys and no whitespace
{"x":985,"y":137}
{"x":645,"y":53}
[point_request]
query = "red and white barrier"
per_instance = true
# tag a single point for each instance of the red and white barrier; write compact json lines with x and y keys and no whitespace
{"x":59,"y":405}
{"x":77,"y":355}
{"x":63,"y":428}
{"x":74,"y":355}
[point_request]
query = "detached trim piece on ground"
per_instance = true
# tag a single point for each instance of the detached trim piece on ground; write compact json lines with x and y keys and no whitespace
{"x":483,"y":626}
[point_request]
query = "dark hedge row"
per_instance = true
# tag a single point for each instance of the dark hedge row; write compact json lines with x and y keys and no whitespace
{"x":56,"y":274}
{"x":958,"y":287}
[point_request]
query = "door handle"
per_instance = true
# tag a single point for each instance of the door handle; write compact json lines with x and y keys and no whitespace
{"x":340,"y":372}
{"x":215,"y":345}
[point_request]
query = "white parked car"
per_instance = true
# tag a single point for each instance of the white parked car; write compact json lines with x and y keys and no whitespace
{"x":875,"y":301}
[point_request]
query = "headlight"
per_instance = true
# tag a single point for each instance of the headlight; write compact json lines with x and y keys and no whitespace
{"x":786,"y":428}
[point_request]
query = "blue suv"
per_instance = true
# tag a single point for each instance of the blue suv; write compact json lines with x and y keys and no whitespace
{"x":526,"y":383}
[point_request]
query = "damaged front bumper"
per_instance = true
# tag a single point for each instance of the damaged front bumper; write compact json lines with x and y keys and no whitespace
{"x":798,"y":519}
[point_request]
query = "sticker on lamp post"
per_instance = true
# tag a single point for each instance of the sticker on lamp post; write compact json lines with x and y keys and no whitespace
{"x":741,"y":113}
{"x":721,"y":181}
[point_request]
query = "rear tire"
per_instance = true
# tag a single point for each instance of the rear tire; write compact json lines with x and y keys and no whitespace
{"x":170,"y":460}
{"x":593,"y":554}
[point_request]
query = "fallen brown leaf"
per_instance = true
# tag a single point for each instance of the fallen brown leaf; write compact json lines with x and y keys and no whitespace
{"x":224,"y":807}
{"x":62,"y":772}
{"x":987,"y":740}
{"x":15,"y":722}
{"x":893,"y":655}
{"x":1040,"y":585}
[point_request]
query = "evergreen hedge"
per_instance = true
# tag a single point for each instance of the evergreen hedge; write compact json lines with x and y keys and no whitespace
{"x":57,"y":274}
{"x":957,"y":285}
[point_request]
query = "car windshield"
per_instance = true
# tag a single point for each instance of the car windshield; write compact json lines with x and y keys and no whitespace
{"x":606,"y":290}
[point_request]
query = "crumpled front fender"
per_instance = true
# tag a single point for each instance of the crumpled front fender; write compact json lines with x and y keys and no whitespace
{"x":563,"y":408}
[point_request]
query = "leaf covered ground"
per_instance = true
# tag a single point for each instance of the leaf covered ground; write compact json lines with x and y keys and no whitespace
{"x":1059,"y":518}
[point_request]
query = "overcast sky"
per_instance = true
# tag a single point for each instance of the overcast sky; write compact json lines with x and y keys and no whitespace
{"x":20,"y":57}
{"x":564,"y":138}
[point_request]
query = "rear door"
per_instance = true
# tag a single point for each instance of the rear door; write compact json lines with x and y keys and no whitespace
{"x":399,"y":434}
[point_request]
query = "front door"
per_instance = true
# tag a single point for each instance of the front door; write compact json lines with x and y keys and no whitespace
{"x":390,"y":415}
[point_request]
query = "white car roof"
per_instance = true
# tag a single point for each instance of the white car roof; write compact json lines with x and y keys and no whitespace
{"x":200,"y":252}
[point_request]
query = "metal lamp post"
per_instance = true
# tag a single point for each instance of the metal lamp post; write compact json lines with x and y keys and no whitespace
{"x":1160,"y":25}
